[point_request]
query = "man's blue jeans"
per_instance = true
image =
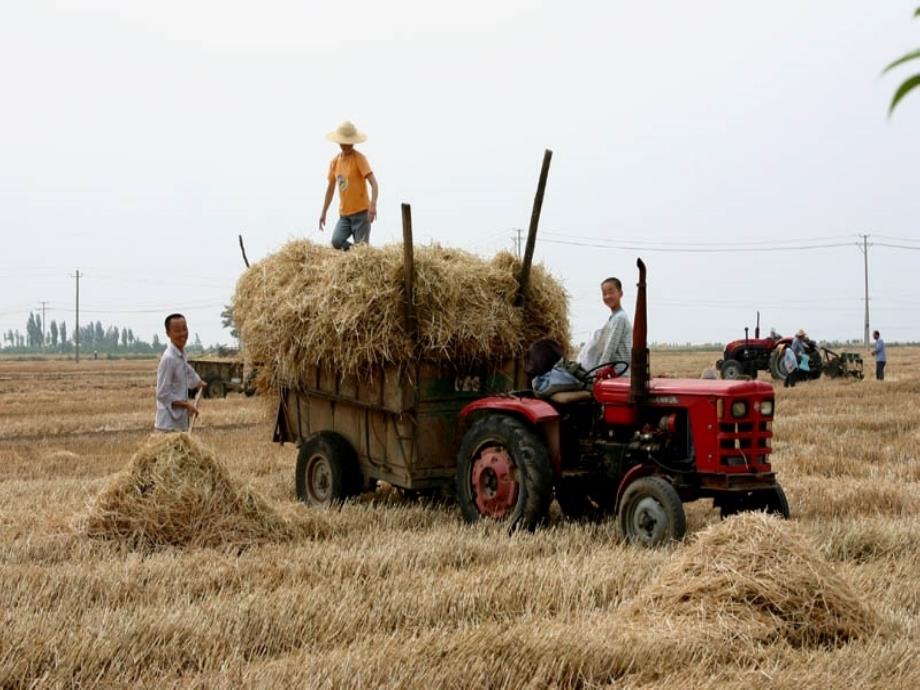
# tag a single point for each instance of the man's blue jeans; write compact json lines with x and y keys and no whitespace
{"x":354,"y":226}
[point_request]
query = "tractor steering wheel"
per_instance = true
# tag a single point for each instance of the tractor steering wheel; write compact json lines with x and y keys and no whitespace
{"x":618,"y":369}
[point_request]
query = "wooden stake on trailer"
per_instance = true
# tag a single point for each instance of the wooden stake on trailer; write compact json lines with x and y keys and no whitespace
{"x":243,"y":249}
{"x":409,"y":272}
{"x":532,"y":231}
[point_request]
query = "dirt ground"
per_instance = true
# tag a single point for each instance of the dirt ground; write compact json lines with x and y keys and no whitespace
{"x":405,"y":594}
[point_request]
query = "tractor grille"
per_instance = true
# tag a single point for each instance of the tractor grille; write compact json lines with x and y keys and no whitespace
{"x":745,"y":442}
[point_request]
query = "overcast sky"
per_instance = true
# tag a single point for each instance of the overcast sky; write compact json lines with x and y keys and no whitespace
{"x":137,"y":139}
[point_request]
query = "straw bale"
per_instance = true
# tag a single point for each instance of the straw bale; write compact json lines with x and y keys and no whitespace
{"x":308,"y":305}
{"x":758,"y":577}
{"x":176,"y":492}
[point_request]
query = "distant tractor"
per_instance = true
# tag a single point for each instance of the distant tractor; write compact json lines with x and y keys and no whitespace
{"x":744,"y":358}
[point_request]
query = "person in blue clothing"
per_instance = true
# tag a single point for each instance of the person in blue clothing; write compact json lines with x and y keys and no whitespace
{"x":881,"y":357}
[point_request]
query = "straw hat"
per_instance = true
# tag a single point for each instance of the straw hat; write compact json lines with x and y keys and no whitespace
{"x":346,"y":133}
{"x":800,"y":333}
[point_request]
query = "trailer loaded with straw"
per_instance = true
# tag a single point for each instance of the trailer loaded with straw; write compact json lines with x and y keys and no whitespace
{"x":373,"y":353}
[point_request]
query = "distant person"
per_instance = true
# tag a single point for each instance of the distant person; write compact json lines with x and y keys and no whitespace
{"x":351,"y":173}
{"x":796,"y":360}
{"x":799,"y":342}
{"x":791,"y":367}
{"x":613,"y":342}
{"x":175,"y":377}
{"x":881,"y":356}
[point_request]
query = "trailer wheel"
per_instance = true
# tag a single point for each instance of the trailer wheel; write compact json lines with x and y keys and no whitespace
{"x":731,"y":369}
{"x":651,"y":513}
{"x":777,"y":368}
{"x":772,"y":501}
{"x":216,"y":389}
{"x":327,"y":470}
{"x":504,"y":473}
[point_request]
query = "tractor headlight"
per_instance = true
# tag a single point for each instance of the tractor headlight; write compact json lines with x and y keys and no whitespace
{"x":766,"y":408}
{"x":739,"y":408}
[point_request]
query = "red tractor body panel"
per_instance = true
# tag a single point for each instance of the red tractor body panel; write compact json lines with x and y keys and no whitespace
{"x":765,"y":343}
{"x":722,"y":443}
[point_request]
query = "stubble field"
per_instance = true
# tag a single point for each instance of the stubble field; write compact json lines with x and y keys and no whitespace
{"x":396,"y":593}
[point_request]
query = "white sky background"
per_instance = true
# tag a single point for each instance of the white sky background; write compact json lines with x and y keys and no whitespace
{"x":138,"y":139}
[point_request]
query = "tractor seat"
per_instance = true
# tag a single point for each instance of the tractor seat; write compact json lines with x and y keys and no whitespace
{"x":569,"y":397}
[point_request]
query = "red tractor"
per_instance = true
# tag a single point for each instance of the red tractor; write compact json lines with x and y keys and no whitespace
{"x":745,"y":357}
{"x":636,"y":447}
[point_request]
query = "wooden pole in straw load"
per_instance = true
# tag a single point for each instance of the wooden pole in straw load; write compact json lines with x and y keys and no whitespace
{"x":532,"y":231}
{"x":409,"y":271}
{"x":191,"y":422}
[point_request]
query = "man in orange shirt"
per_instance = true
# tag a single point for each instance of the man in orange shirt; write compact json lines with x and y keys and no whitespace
{"x":351,"y":173}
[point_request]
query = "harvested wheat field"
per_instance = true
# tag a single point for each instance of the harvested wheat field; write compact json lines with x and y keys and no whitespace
{"x":222,"y":579}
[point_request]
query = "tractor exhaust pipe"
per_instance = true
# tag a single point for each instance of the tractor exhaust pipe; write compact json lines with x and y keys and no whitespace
{"x":757,"y":328}
{"x":639,"y":366}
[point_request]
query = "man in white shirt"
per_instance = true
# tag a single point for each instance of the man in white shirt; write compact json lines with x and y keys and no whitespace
{"x":175,"y":377}
{"x":613,"y":342}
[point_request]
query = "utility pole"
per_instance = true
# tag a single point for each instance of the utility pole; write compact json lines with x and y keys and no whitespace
{"x":43,"y":303}
{"x":76,"y":330}
{"x":518,"y":240}
{"x":865,"y":251}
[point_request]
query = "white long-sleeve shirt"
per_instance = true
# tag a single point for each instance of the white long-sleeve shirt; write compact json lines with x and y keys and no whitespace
{"x":175,"y":377}
{"x":611,"y":343}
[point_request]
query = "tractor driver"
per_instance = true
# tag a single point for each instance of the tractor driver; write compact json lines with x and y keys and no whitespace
{"x":613,"y":342}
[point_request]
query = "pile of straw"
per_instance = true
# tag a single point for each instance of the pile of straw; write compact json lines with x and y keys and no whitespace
{"x":758,"y":577}
{"x":309,"y":305}
{"x":175,"y":492}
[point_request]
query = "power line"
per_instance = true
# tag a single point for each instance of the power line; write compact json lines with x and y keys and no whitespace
{"x":899,"y":239}
{"x":895,"y":246}
{"x":714,"y":244}
{"x":699,"y":250}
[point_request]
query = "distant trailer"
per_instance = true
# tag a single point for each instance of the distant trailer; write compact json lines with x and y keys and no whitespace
{"x":222,"y":376}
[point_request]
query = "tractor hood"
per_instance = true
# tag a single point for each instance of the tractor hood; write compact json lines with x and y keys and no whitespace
{"x":615,"y":389}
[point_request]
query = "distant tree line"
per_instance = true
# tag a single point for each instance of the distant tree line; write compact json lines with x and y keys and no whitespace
{"x":94,"y":337}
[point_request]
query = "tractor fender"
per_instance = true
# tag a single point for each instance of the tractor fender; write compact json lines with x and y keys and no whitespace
{"x":543,"y":416}
{"x":533,"y":410}
{"x":632,"y":475}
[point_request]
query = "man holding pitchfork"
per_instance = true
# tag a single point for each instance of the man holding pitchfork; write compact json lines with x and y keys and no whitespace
{"x":175,"y":377}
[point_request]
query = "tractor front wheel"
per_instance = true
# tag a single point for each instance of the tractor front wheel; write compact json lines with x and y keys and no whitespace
{"x":731,"y":369}
{"x":651,"y":513}
{"x":504,"y":473}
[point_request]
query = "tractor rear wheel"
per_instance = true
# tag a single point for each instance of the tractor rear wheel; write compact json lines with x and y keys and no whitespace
{"x":651,"y":513}
{"x":327,"y":470}
{"x":771,"y":501}
{"x":777,"y":369}
{"x":504,"y":473}
{"x":731,"y":369}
